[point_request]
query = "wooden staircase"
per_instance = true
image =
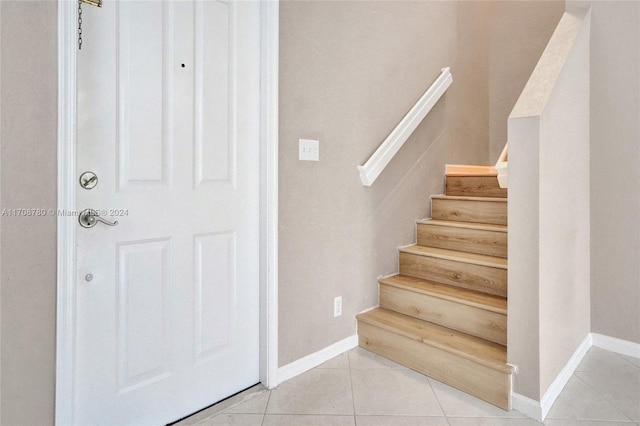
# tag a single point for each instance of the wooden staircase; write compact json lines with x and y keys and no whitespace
{"x":445,"y":313}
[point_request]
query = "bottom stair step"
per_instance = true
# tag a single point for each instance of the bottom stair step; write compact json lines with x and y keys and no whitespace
{"x":478,"y":314}
{"x":468,"y":363}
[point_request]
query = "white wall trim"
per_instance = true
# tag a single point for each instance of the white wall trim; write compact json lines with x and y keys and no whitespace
{"x":0,"y":199}
{"x":66,"y":297}
{"x":270,"y":35}
{"x":65,"y":321}
{"x":561,"y":380}
{"x":392,"y":144}
{"x":313,"y":360}
{"x":616,"y":345}
{"x":373,"y":307}
{"x":526,"y":406}
{"x":539,"y":410}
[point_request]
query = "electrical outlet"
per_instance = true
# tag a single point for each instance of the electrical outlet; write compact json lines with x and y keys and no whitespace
{"x":309,"y":150}
{"x":337,"y":306}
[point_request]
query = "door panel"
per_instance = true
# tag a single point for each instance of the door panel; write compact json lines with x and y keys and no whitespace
{"x":143,"y":311}
{"x":215,"y":80}
{"x":168,"y":118}
{"x":145,"y":92}
{"x":215,"y":283}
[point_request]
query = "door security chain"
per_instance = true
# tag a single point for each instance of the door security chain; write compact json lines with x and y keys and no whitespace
{"x":97,"y":3}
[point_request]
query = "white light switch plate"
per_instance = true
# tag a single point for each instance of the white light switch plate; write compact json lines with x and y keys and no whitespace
{"x":309,"y":150}
{"x":337,"y":306}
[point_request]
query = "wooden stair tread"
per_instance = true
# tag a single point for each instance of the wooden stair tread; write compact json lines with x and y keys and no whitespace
{"x":458,"y":256}
{"x":472,"y":237}
{"x":483,"y":352}
{"x":474,"y":186}
{"x":445,"y":313}
{"x":456,"y":294}
{"x":466,"y":225}
{"x":466,"y":170}
{"x":466,"y":198}
{"x":469,"y":209}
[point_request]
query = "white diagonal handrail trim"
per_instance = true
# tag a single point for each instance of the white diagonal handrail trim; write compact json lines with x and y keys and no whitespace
{"x":502,"y":167}
{"x":388,"y":149}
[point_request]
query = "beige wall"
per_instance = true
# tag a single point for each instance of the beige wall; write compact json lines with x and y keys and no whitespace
{"x":615,"y":175}
{"x":28,"y":264}
{"x":349,"y":72}
{"x":549,"y":219}
{"x":519,"y":33}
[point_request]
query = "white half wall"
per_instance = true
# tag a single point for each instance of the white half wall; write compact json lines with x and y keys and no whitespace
{"x":565,"y":285}
{"x":549,"y":213}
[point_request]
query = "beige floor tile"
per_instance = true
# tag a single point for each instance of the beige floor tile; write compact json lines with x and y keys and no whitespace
{"x":400,"y":421}
{"x":456,"y":403}
{"x":233,"y":419}
{"x":621,"y":389}
{"x":490,"y":421}
{"x":584,"y":423}
{"x":605,"y":391}
{"x":363,"y":359}
{"x":632,"y":360}
{"x":224,"y":406}
{"x":341,"y":361}
{"x":255,"y":405}
{"x":318,"y":391}
{"x":307,"y":420}
{"x":598,"y":359}
{"x":393,"y":392}
{"x":579,"y":401}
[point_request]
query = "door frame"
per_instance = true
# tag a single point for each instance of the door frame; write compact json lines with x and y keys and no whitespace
{"x":67,"y":184}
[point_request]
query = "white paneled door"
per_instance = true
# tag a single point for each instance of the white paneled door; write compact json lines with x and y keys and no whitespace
{"x":168,"y":120}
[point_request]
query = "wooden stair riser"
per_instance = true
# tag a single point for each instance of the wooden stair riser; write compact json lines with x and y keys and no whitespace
{"x":478,"y":380}
{"x":474,"y":186}
{"x":476,"y":211}
{"x":468,"y":240}
{"x":475,"y":321}
{"x":466,"y":275}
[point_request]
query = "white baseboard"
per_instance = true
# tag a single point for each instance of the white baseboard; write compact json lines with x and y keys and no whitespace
{"x":539,"y":410}
{"x":559,"y":383}
{"x":526,"y":406}
{"x":295,"y":368}
{"x":619,"y":346}
{"x":368,"y":309}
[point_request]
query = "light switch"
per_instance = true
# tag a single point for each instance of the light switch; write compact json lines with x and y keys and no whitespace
{"x":309,"y":150}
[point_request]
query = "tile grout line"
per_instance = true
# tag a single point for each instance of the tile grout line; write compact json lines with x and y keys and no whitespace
{"x":604,"y":397}
{"x":444,"y":414}
{"x":264,"y":415}
{"x":624,"y":359}
{"x":353,"y":397}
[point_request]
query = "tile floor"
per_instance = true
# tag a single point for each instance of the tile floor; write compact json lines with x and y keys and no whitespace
{"x":361,"y":388}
